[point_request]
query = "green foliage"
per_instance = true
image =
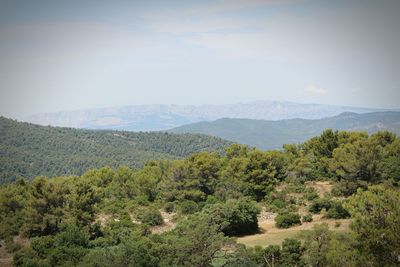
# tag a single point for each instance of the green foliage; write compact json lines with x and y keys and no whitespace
{"x":169,"y":207}
{"x":67,"y":248}
{"x":13,"y":199}
{"x":334,"y":209}
{"x":88,"y":220}
{"x":289,"y":254}
{"x":307,"y":218}
{"x":348,"y":188}
{"x":152,"y":217}
{"x":311,"y":194}
{"x":188,"y":207}
{"x":292,"y":252}
{"x":195,"y":242}
{"x":235,"y":216}
{"x":44,"y":213}
{"x":262,"y":171}
{"x":280,"y":202}
{"x":320,"y":203}
{"x":361,"y":159}
{"x":30,"y":150}
{"x":376,"y":223}
{"x":287,"y":220}
{"x":317,"y":245}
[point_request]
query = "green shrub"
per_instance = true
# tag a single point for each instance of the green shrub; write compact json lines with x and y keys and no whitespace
{"x":334,"y":209}
{"x":279,"y":203}
{"x":307,"y":218}
{"x":337,"y":211}
{"x":142,"y":200}
{"x":348,"y":188}
{"x":319,"y":204}
{"x":235,"y":216}
{"x":169,"y":207}
{"x":152,"y":217}
{"x":188,"y":207}
{"x":295,"y":187}
{"x":287,"y":220}
{"x":311,"y":195}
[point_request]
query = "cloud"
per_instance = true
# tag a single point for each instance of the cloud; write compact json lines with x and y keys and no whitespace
{"x":315,"y":90}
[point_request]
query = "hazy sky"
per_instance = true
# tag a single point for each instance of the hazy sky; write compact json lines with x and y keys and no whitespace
{"x":63,"y":55}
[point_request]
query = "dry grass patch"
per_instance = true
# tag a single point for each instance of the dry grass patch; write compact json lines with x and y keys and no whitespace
{"x":6,"y":258}
{"x":322,"y":187}
{"x":271,"y":235}
{"x":168,"y":224}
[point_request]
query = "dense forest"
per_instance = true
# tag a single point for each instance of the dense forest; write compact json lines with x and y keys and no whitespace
{"x":189,"y":212}
{"x":28,"y":150}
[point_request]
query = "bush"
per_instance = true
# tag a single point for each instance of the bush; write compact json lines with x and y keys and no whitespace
{"x":295,"y":187}
{"x":337,"y":211}
{"x":152,"y":217}
{"x":188,"y":207}
{"x":319,"y":204}
{"x":235,"y":216}
{"x":142,"y":200}
{"x":293,"y":200}
{"x":279,"y":203}
{"x":307,"y":218}
{"x":287,"y":220}
{"x":169,"y":207}
{"x":348,"y":188}
{"x":311,"y":195}
{"x":338,"y":224}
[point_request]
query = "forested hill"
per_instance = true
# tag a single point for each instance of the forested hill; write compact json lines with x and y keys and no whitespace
{"x":28,"y":150}
{"x":273,"y":134}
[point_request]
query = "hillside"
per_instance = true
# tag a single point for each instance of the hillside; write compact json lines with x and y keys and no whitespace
{"x":28,"y":150}
{"x":333,"y":200}
{"x":163,"y":117}
{"x":273,"y":134}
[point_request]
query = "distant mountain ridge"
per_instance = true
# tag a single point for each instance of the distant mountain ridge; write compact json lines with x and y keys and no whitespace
{"x":273,"y":134}
{"x":164,"y":117}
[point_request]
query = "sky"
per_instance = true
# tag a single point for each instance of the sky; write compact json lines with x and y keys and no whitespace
{"x":69,"y":55}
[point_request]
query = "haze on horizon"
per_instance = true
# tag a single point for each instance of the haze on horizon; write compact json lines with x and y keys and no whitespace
{"x":68,"y":55}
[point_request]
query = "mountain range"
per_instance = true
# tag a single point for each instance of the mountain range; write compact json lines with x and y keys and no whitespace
{"x":164,"y":117}
{"x":273,"y":134}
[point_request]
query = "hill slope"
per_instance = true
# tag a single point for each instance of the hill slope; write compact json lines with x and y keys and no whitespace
{"x":163,"y":117}
{"x":273,"y":134}
{"x":28,"y":150}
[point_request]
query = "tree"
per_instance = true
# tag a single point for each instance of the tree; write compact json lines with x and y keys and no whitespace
{"x":236,"y":216}
{"x":342,"y":251}
{"x":194,"y":242}
{"x":323,"y":145}
{"x":44,"y":211}
{"x":317,"y":245}
{"x":204,"y":167}
{"x":261,"y":173}
{"x":390,"y":165}
{"x":376,"y":223}
{"x":13,"y":199}
{"x":292,"y":252}
{"x":357,"y":161}
{"x":83,"y":198}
